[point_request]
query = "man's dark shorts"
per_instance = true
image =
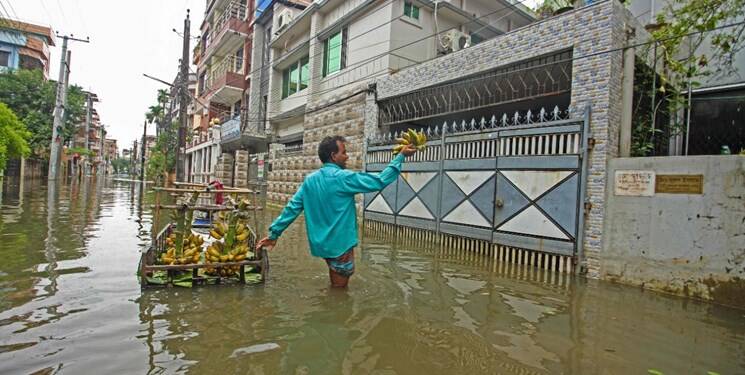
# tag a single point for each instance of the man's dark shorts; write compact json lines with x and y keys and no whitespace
{"x":343,"y":264}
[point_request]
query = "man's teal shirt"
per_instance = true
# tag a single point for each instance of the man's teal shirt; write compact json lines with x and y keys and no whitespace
{"x":327,"y":196}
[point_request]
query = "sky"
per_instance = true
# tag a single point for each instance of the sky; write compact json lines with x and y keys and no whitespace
{"x":127,"y":39}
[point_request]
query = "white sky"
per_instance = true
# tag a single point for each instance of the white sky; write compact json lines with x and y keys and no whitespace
{"x":128,"y":38}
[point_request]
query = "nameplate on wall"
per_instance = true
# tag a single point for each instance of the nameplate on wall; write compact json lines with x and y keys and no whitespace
{"x":634,"y":183}
{"x":679,"y":184}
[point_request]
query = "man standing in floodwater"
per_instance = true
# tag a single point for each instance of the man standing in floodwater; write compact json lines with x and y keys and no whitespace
{"x":327,"y":196}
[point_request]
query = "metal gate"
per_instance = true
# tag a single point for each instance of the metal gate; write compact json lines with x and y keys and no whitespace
{"x":516,"y":181}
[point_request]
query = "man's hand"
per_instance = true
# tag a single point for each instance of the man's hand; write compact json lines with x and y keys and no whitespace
{"x":267,"y":243}
{"x":409,"y":150}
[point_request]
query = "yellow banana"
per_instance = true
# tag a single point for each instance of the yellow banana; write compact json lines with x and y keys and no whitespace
{"x":398,"y":149}
{"x":215,"y":234}
{"x":422,"y":138}
{"x":402,"y":141}
{"x":412,"y":136}
{"x":212,"y":251}
{"x":242,"y":237}
{"x":239,"y":257}
{"x":406,"y":136}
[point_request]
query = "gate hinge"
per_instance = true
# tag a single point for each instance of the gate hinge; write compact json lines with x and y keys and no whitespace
{"x":588,"y":206}
{"x":590,"y":143}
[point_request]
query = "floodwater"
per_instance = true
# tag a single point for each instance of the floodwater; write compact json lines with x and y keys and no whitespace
{"x":70,"y":303}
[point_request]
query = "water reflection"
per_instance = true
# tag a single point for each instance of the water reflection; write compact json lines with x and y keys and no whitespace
{"x":68,"y":289}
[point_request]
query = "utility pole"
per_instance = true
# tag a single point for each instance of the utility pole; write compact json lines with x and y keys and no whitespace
{"x":102,"y":155}
{"x":59,"y":107}
{"x":183,"y":95}
{"x":88,"y":119}
{"x":133,"y":159}
{"x":144,"y":147}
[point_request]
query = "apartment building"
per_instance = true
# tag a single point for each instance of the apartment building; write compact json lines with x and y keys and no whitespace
{"x":322,"y":58}
{"x":111,"y":152}
{"x":25,"y":46}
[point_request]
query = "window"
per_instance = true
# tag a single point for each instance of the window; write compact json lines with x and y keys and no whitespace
{"x":476,"y":39}
{"x":411,"y":10}
{"x":296,"y":77}
{"x":304,"y":73}
{"x":201,"y":83}
{"x":334,"y":53}
{"x":239,"y":60}
{"x":4,"y":58}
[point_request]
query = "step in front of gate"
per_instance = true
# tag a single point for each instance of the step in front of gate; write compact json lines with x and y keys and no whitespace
{"x":469,"y":249}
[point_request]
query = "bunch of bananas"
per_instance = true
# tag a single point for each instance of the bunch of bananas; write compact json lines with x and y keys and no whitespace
{"x":410,"y":137}
{"x":191,"y":254}
{"x":223,"y":249}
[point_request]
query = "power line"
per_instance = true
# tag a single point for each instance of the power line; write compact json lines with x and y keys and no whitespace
{"x":372,"y":58}
{"x":62,"y":13}
{"x":612,"y":50}
{"x":49,"y":17}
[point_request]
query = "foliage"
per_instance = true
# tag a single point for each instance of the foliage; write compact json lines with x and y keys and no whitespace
{"x":13,"y":136}
{"x":162,"y":159}
{"x":120,"y":165}
{"x":646,"y":139}
{"x":32,"y":99}
{"x":156,"y":166}
{"x":693,"y":45}
{"x":548,"y":7}
{"x":80,"y":151}
{"x":704,"y":20}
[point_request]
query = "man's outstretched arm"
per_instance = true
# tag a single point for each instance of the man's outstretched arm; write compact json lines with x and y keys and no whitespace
{"x":291,"y":211}
{"x":362,"y":182}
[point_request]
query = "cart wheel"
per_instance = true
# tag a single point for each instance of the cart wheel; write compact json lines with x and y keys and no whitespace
{"x":264,"y":265}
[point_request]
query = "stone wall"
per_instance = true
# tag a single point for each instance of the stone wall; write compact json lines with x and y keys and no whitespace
{"x":596,"y":34}
{"x":688,"y":244}
{"x":325,"y":118}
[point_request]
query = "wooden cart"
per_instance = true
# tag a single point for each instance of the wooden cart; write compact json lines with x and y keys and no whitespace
{"x":170,"y":275}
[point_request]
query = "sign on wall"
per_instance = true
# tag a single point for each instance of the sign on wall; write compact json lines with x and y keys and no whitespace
{"x":635,"y":183}
{"x":680,"y":184}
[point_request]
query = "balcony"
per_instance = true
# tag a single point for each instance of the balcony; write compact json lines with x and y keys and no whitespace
{"x":225,"y":82}
{"x":228,"y":32}
{"x":234,"y":135}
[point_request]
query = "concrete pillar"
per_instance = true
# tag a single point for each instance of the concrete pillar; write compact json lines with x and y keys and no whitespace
{"x":315,"y":56}
{"x":627,"y":103}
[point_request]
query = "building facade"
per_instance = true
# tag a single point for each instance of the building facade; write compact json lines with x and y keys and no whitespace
{"x":322,"y":58}
{"x":25,"y":46}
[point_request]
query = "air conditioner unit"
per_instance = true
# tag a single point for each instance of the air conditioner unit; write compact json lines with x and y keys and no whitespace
{"x":456,"y":40}
{"x":283,"y":19}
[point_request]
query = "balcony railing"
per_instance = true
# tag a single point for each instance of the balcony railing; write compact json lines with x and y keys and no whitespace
{"x":220,"y":73}
{"x":234,"y":10}
{"x":201,"y":137}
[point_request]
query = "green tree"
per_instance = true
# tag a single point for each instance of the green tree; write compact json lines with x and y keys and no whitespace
{"x":32,"y":99}
{"x":120,"y":165}
{"x":13,"y":136}
{"x":696,"y":39}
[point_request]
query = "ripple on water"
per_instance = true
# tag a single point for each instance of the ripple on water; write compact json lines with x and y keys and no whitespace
{"x":71,"y":291}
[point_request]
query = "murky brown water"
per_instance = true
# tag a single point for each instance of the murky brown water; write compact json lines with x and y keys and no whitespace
{"x":70,"y":303}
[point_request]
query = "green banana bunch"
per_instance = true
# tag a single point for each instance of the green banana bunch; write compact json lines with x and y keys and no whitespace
{"x":410,"y":137}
